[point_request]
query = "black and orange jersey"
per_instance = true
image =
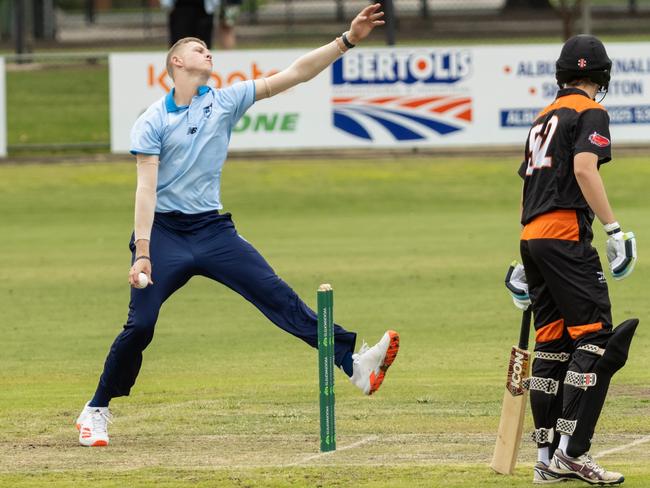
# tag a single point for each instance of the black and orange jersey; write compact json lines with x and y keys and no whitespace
{"x":572,"y":124}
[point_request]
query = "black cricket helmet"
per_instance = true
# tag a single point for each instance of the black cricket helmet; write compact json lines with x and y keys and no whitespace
{"x":583,"y":56}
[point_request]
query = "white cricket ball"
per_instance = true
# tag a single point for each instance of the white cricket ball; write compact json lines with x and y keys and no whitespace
{"x":143,"y":281}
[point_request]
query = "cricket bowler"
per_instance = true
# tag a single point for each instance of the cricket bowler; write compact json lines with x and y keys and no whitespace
{"x":180,"y":144}
{"x":577,"y":351}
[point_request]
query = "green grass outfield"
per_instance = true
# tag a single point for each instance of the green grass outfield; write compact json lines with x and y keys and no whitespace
{"x":227,"y":399}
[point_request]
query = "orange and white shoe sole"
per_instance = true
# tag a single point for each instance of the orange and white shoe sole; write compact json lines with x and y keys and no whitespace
{"x":85,"y":433}
{"x":391,"y":353}
{"x":94,"y":444}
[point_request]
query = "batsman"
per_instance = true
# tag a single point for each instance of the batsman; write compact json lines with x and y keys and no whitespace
{"x":577,"y":350}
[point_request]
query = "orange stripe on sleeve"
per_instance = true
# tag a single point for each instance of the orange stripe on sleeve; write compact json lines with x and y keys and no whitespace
{"x":550,"y":332}
{"x":559,"y":224}
{"x":576,"y":331}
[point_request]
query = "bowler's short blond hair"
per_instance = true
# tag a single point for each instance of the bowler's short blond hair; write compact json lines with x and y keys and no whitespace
{"x":175,"y":47}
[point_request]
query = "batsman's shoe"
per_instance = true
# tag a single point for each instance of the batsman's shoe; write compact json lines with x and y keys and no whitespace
{"x":584,"y":468}
{"x":542,"y":475}
{"x":93,"y":426}
{"x":371,"y":363}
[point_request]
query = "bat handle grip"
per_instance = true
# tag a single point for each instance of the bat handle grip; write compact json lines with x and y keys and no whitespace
{"x":525,"y":328}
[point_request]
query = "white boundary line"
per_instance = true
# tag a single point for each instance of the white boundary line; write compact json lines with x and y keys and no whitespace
{"x":606,"y":452}
{"x":344,"y":448}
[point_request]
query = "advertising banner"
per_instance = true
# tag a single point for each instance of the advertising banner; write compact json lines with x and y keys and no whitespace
{"x":3,"y":111}
{"x":394,"y":97}
{"x":288,"y":120}
{"x":526,"y":84}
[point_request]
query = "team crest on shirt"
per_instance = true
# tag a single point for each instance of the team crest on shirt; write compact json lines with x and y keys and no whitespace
{"x":597,"y":140}
{"x":207,"y":111}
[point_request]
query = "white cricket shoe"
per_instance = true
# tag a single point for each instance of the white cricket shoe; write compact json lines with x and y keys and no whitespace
{"x":584,"y":468}
{"x":92,"y":425}
{"x":84,"y":413}
{"x":371,"y":363}
{"x":542,"y":475}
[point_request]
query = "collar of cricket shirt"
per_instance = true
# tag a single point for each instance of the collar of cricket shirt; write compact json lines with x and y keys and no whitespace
{"x":170,"y":104}
{"x":571,"y":91}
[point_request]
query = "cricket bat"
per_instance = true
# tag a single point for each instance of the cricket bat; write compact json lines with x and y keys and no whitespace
{"x":514,"y":403}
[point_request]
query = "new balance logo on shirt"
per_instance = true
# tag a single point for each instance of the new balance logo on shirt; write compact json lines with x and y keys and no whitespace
{"x":207,"y":111}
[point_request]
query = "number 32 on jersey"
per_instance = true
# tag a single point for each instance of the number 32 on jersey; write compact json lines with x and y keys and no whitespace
{"x":538,"y":141}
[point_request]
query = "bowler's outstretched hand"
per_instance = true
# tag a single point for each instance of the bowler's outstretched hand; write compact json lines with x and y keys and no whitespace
{"x":365,"y":22}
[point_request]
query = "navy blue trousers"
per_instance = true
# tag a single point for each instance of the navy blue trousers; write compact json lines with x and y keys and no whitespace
{"x":206,"y":244}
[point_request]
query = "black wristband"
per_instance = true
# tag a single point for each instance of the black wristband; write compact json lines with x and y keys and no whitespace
{"x":142,"y":257}
{"x":347,"y":43}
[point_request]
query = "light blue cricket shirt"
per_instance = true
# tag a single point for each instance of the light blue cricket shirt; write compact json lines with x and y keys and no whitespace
{"x":192,"y":144}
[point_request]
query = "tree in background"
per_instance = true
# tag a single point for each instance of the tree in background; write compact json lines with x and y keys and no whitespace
{"x":567,"y":10}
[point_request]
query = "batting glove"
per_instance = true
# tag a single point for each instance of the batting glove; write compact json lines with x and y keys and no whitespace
{"x":518,"y":286}
{"x":621,"y":251}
